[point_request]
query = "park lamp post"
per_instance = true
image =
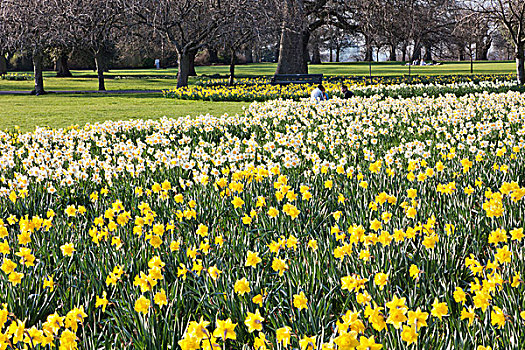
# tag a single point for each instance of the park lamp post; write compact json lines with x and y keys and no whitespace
{"x":370,"y":70}
{"x":471,"y":59}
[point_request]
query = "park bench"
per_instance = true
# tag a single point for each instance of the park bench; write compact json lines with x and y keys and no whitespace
{"x":283,"y":79}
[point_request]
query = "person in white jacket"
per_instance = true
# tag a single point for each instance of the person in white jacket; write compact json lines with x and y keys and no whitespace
{"x":318,"y":94}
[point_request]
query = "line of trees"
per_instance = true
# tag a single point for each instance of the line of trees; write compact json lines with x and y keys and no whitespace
{"x":294,"y":31}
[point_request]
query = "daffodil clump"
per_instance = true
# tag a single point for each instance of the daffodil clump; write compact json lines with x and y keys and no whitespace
{"x":369,"y":223}
{"x":16,"y":76}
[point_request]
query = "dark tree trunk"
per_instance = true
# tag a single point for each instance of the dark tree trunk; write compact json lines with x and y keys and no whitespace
{"x":331,"y":55}
{"x":39,"y":79}
{"x":471,"y":54}
{"x":461,"y":54}
{"x":520,"y":64}
{"x":192,"y":72}
{"x":291,"y":54}
{"x":368,"y":51}
{"x":62,"y":67}
{"x":316,"y":54}
{"x":482,"y":50}
{"x":3,"y":64}
{"x":483,"y":55}
{"x":100,"y":67}
{"x":231,"y":82}
{"x":428,"y":53}
{"x":306,"y":53}
{"x":213,"y":57}
{"x":338,"y":54}
{"x":294,"y":40}
{"x":404,"y":52}
{"x":248,"y":56}
{"x":184,"y":69}
{"x":416,"y":55}
{"x":393,"y":55}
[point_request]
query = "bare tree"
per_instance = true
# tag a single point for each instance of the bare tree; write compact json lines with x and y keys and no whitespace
{"x":33,"y":27}
{"x":473,"y":35}
{"x":248,"y":21}
{"x":187,"y":24}
{"x":331,"y":38}
{"x":61,"y":57}
{"x":394,"y":21}
{"x":369,"y":14}
{"x":93,"y":25}
{"x":510,"y":16}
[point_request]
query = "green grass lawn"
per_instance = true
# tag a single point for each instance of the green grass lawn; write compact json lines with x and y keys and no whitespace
{"x":378,"y":69}
{"x":165,"y":78}
{"x":58,"y":111}
{"x":79,"y":83}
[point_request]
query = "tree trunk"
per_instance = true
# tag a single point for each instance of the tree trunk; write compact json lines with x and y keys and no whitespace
{"x":482,"y":50}
{"x":484,"y":54}
{"x":231,"y":82}
{"x":248,"y":56}
{"x":404,"y":52}
{"x":192,"y":72}
{"x":39,"y":79}
{"x":316,"y":53}
{"x":331,"y":55}
{"x":3,"y":64}
{"x":291,"y":54}
{"x":99,"y":63}
{"x":184,"y":69}
{"x":213,"y":57}
{"x":461,"y":53}
{"x":62,"y":67}
{"x":306,"y":53}
{"x":338,"y":54}
{"x":368,"y":50}
{"x":294,"y":40}
{"x":520,"y":64}
{"x":393,"y":56}
{"x":416,"y":55}
{"x":428,"y":53}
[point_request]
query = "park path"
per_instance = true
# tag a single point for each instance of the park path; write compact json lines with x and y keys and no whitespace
{"x":84,"y":92}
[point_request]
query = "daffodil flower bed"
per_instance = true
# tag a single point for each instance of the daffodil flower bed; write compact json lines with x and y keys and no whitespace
{"x":374,"y":80}
{"x":366,"y":223}
{"x":16,"y":76}
{"x":249,"y":92}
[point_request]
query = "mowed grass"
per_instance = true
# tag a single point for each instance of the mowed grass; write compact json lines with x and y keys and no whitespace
{"x":79,"y":83}
{"x":348,"y":68}
{"x":58,"y":111}
{"x":152,"y":79}
{"x":378,"y":69}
